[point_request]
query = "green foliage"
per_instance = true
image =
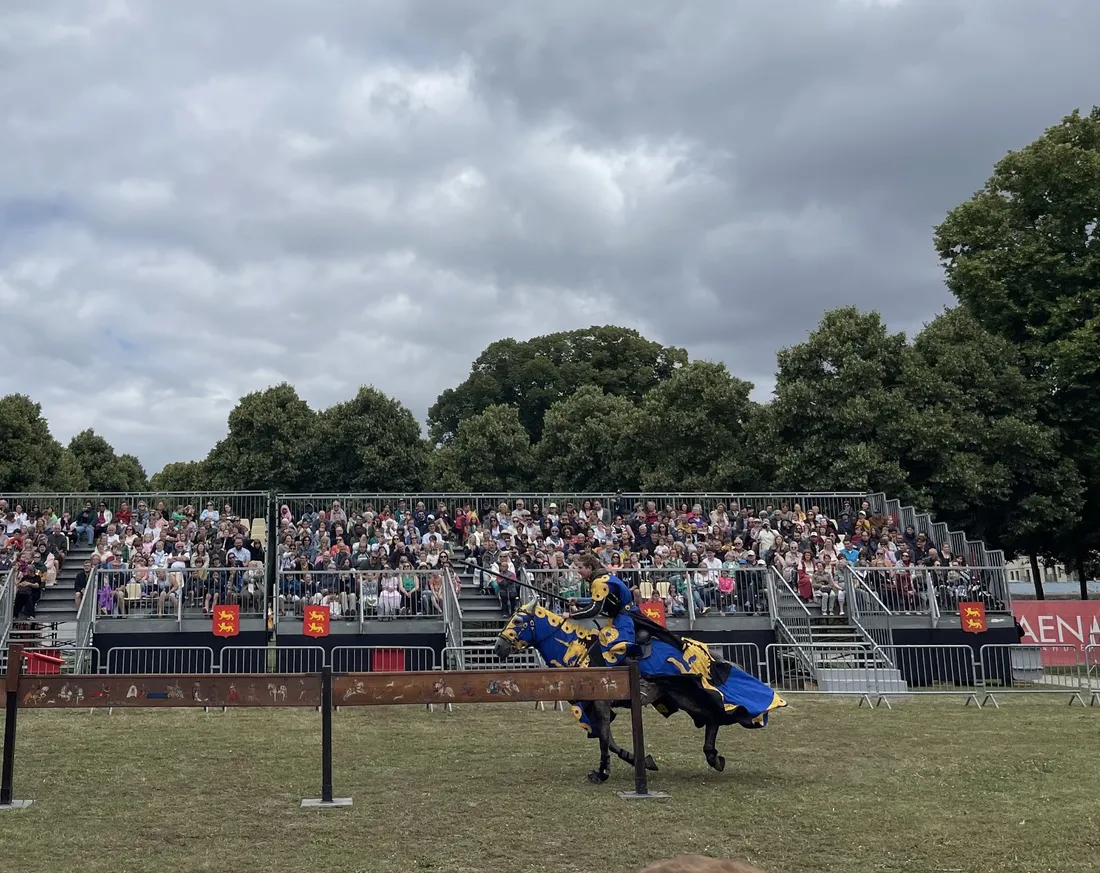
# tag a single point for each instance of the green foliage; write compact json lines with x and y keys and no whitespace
{"x":182,"y":476}
{"x":492,"y":451}
{"x":839,"y":407}
{"x":1023,"y":256}
{"x":271,"y":436}
{"x":30,"y":458}
{"x":102,"y":469}
{"x":586,"y":443}
{"x":689,"y":433}
{"x":534,"y":375}
{"x":975,"y":447}
{"x":369,"y":443}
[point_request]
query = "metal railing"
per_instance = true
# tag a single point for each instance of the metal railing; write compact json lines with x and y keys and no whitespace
{"x":484,"y":658}
{"x":867,"y":613}
{"x":85,"y":622}
{"x":160,"y":659}
{"x":973,"y":551}
{"x":1035,"y":669}
{"x":362,"y":595}
{"x":452,"y":608}
{"x":271,"y":659}
{"x":242,"y":504}
{"x":382,"y":659}
{"x":7,"y":608}
{"x":744,"y":655}
{"x":830,"y":503}
{"x":934,"y":591}
{"x":160,"y":592}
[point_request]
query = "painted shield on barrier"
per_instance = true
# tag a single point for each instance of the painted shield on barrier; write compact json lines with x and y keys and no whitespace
{"x":315,"y":622}
{"x":227,"y":621}
{"x":973,"y":617}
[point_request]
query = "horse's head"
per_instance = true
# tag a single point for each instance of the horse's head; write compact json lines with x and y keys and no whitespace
{"x":519,"y":633}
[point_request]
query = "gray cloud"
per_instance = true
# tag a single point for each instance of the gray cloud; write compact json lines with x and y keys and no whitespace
{"x":199,"y":200}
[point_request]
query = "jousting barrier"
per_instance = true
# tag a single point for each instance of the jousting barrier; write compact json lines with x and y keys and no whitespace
{"x":324,"y":691}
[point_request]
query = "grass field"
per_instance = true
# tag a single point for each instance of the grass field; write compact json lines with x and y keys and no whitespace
{"x":828,"y":787}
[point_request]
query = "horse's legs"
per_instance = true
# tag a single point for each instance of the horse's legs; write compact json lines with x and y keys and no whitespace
{"x":713,"y":758}
{"x":601,"y":718}
{"x":628,"y":756}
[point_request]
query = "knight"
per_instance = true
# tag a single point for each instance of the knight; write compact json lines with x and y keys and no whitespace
{"x":609,"y":597}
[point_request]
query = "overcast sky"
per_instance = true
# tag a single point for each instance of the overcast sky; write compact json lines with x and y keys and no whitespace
{"x":200,"y":199}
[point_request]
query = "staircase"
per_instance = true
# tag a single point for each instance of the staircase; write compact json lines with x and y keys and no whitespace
{"x":827,"y":651}
{"x":845,"y":661}
{"x":482,"y":620}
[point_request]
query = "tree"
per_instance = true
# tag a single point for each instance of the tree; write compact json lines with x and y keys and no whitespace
{"x":975,"y":447}
{"x":585,"y":445}
{"x":839,"y":408}
{"x":689,"y":433}
{"x":534,"y":375}
{"x":1023,"y":255}
{"x":182,"y":476}
{"x":492,"y":451}
{"x":102,"y":469}
{"x":371,"y":443}
{"x":30,"y":458}
{"x":271,"y":436}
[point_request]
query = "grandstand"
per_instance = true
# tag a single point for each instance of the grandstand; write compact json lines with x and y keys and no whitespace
{"x":85,"y":573}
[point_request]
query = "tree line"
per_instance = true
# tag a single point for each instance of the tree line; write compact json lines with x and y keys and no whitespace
{"x":989,"y":416}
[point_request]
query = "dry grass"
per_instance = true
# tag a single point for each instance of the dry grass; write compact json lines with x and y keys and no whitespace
{"x":828,"y":788}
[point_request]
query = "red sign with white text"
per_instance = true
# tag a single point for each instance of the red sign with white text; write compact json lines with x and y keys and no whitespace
{"x":1058,"y":623}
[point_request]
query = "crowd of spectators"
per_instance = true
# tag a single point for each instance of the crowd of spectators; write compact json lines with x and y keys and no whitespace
{"x":33,"y":544}
{"x":394,"y":556}
{"x":382,"y":564}
{"x":148,"y":559}
{"x":394,"y":559}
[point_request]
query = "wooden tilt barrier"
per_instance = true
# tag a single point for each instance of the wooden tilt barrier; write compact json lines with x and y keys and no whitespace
{"x":323,"y":691}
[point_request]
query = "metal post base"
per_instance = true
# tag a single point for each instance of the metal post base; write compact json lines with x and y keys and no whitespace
{"x":15,"y":805}
{"x":318,"y":803}
{"x":650,"y":795}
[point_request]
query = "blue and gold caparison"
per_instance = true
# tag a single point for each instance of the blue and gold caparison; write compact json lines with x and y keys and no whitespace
{"x":731,"y":694}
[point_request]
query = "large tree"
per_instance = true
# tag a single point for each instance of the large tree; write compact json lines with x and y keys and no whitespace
{"x":103,"y":470}
{"x":371,"y":443}
{"x":535,"y":374}
{"x":30,"y":458}
{"x":492,"y":452}
{"x":271,"y":436}
{"x":586,"y":443}
{"x":182,"y":476}
{"x":975,"y":446}
{"x":839,"y":408}
{"x":690,"y":431}
{"x":1023,"y":255}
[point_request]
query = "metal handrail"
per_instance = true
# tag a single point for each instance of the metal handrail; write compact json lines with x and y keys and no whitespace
{"x":7,"y":607}
{"x":452,"y":609}
{"x":85,"y":620}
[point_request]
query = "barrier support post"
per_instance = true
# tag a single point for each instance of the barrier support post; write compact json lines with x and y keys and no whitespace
{"x":11,"y":694}
{"x":326,"y":800}
{"x":641,"y":784}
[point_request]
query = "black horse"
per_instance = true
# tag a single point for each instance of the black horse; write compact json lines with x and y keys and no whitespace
{"x":695,"y":682}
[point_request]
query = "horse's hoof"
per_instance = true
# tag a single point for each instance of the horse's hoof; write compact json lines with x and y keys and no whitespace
{"x":717,"y":762}
{"x":598,"y":777}
{"x":650,"y":764}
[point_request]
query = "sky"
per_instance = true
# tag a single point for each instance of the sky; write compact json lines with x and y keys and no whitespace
{"x":202,"y":199}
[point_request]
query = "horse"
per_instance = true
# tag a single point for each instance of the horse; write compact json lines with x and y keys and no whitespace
{"x":677,"y":674}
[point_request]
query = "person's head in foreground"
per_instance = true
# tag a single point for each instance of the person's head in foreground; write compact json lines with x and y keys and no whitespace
{"x":699,"y":864}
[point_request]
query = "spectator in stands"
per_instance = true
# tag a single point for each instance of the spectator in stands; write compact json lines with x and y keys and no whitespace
{"x":28,"y":588}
